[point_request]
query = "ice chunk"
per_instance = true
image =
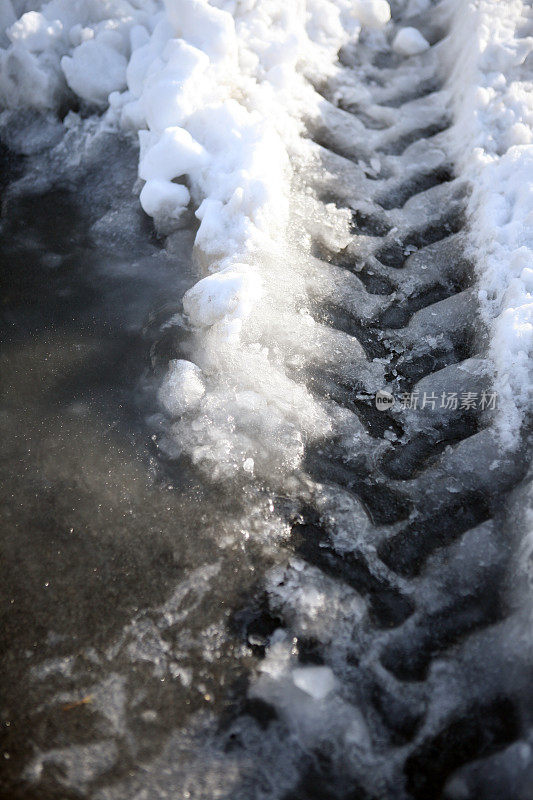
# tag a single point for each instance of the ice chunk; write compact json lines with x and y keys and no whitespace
{"x":182,"y":388}
{"x":228,"y":294}
{"x":317,"y":682}
{"x":409,"y":42}
{"x":372,"y":13}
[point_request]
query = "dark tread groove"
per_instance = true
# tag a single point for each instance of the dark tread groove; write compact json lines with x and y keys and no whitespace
{"x":407,"y":551}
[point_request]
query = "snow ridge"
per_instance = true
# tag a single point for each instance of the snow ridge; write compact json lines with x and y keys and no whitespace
{"x":491,"y":45}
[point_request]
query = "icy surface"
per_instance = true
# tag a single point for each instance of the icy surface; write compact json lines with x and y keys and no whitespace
{"x":317,"y":682}
{"x":182,"y":388}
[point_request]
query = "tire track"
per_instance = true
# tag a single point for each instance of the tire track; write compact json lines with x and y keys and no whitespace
{"x":432,"y":483}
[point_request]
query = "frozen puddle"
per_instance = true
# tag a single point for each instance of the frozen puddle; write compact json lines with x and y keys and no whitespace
{"x":118,"y":576}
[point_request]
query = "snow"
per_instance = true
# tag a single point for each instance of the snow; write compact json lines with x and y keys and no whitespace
{"x":170,"y":155}
{"x":164,"y":199}
{"x":96,"y":68}
{"x":34,"y":32}
{"x":216,"y":97}
{"x":372,"y":13}
{"x":416,"y":7}
{"x":7,"y":18}
{"x":216,"y":93}
{"x":493,"y":147}
{"x":409,"y":42}
{"x":209,"y":29}
{"x":82,"y":46}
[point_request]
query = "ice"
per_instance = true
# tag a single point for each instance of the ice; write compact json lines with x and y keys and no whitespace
{"x":78,"y":764}
{"x":306,"y":698}
{"x":265,"y":418}
{"x":417,"y":7}
{"x":409,"y":42}
{"x":226,"y":295}
{"x":317,"y":682}
{"x":182,"y":389}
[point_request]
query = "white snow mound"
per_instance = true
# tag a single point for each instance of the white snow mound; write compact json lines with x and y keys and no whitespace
{"x":409,"y":42}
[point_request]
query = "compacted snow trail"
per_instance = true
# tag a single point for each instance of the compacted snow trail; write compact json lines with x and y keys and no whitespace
{"x":439,"y":633}
{"x":342,"y":540}
{"x":424,"y":657}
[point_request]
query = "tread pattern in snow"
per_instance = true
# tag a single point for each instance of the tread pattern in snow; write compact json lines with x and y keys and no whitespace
{"x":429,"y":664}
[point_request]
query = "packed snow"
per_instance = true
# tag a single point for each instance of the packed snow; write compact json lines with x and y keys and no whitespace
{"x":492,"y":49}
